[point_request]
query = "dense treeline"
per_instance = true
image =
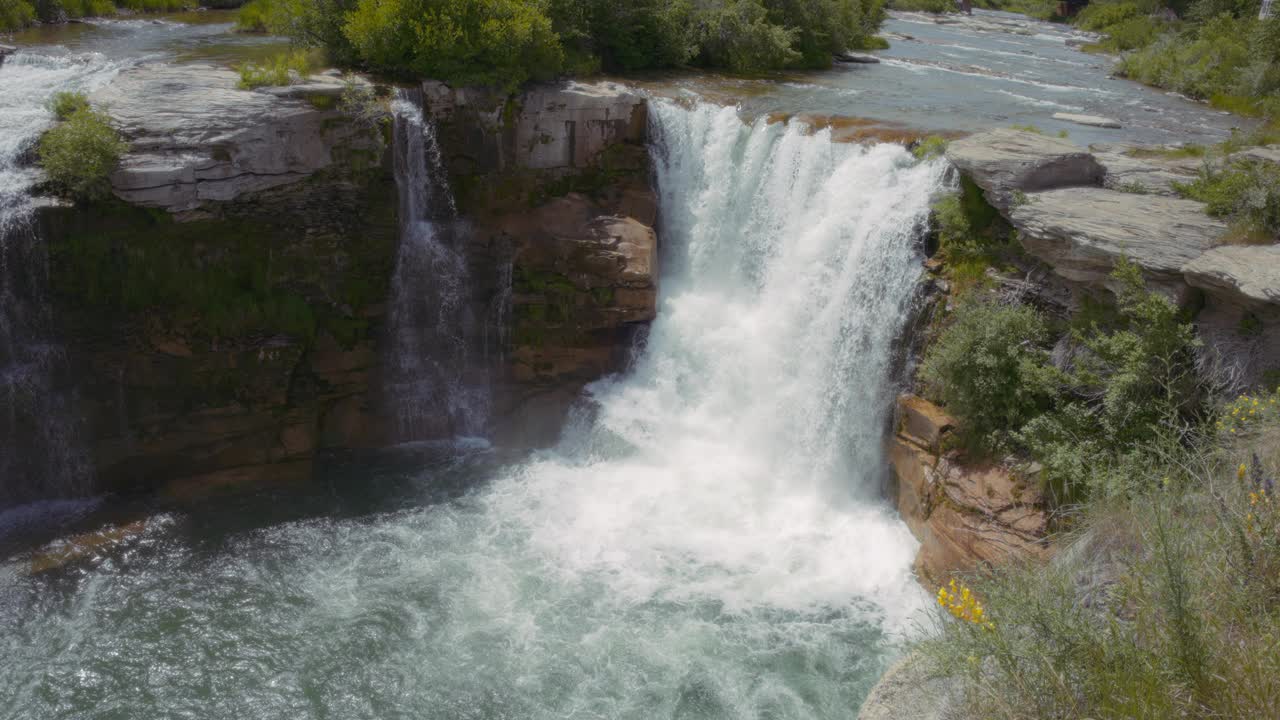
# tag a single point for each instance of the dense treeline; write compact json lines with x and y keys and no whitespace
{"x":15,"y":14}
{"x":507,"y":42}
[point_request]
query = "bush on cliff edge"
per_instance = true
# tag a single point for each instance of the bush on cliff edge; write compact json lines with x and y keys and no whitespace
{"x":80,"y":154}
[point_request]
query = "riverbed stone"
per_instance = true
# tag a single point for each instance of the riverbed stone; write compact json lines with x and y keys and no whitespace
{"x":1082,"y":232}
{"x":1088,"y":120}
{"x":1007,"y":162}
{"x":1131,"y":168}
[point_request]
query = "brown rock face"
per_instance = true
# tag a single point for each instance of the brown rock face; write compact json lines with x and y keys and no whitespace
{"x":555,"y":182}
{"x":965,"y":516}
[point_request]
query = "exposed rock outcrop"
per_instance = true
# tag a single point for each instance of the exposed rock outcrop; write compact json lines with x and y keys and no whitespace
{"x":556,"y":182}
{"x":965,"y":516}
{"x":1049,"y":192}
{"x":1082,"y":232}
{"x":1006,"y":162}
{"x":226,"y":308}
{"x":911,"y":690}
{"x":1129,"y":170}
{"x":197,"y":139}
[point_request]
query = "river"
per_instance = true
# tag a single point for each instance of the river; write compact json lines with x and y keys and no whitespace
{"x":708,"y":538}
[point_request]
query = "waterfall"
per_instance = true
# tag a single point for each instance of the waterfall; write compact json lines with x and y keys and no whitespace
{"x":42,"y":455}
{"x":706,"y":541}
{"x":434,"y":384}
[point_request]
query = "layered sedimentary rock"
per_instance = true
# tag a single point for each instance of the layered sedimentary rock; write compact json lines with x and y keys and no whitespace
{"x":1080,"y":212}
{"x":227,"y":307}
{"x":556,"y":183}
{"x":965,"y":515}
{"x":223,"y":309}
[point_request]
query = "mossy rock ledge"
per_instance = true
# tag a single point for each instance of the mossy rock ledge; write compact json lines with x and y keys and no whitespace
{"x":224,"y":310}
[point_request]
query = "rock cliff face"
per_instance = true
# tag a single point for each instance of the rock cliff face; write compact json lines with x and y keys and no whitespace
{"x":1079,"y":211}
{"x":226,"y":304}
{"x":556,"y":181}
{"x":227,"y":307}
{"x":965,"y":516}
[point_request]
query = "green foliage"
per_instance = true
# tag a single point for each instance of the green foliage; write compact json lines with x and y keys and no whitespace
{"x":1246,"y":191}
{"x":80,"y":154}
{"x":64,"y":104}
{"x":16,"y":14}
{"x":930,"y":147}
{"x":255,"y":16}
{"x":989,"y":369}
{"x":1129,"y":379}
{"x":504,"y":43}
{"x":1128,"y":385}
{"x":930,"y":6}
{"x":1160,"y":605}
{"x":1039,"y":9}
{"x":276,"y":71}
{"x":1099,"y":16}
{"x":1233,"y":60}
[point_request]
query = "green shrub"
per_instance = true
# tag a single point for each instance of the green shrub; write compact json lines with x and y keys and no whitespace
{"x":255,"y":16}
{"x":989,"y":369}
{"x":505,"y":43}
{"x":16,"y":14}
{"x":1246,"y":191}
{"x":1132,"y":380}
{"x":80,"y":154}
{"x":277,"y":71}
{"x":1158,"y":605}
{"x":1099,"y":16}
{"x":930,"y":6}
{"x":64,"y":104}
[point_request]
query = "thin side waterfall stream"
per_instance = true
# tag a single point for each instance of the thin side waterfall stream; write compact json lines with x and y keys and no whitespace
{"x":705,"y":542}
{"x":42,"y":455}
{"x":431,"y":384}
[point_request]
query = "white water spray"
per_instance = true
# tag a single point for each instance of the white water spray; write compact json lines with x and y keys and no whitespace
{"x":705,"y":543}
{"x":44,"y":456}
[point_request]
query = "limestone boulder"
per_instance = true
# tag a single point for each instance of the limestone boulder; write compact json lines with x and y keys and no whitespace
{"x":1266,"y":153}
{"x":1129,"y":169}
{"x":196,"y":138}
{"x":1005,"y":162}
{"x":1082,"y":232}
{"x":1247,"y":275}
{"x":1240,"y":320}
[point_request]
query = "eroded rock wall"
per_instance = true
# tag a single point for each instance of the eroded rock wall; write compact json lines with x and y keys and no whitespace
{"x":226,"y":309}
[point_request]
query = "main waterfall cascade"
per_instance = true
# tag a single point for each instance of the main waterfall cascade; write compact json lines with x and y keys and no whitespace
{"x":436,"y":383}
{"x":705,"y":543}
{"x":42,"y":455}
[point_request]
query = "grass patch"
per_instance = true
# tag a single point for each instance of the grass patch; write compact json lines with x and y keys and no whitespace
{"x":81,"y":153}
{"x":283,"y":69}
{"x":1247,"y":192}
{"x":930,"y":147}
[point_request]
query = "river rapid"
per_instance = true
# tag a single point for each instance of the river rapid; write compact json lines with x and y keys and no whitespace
{"x":707,"y":540}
